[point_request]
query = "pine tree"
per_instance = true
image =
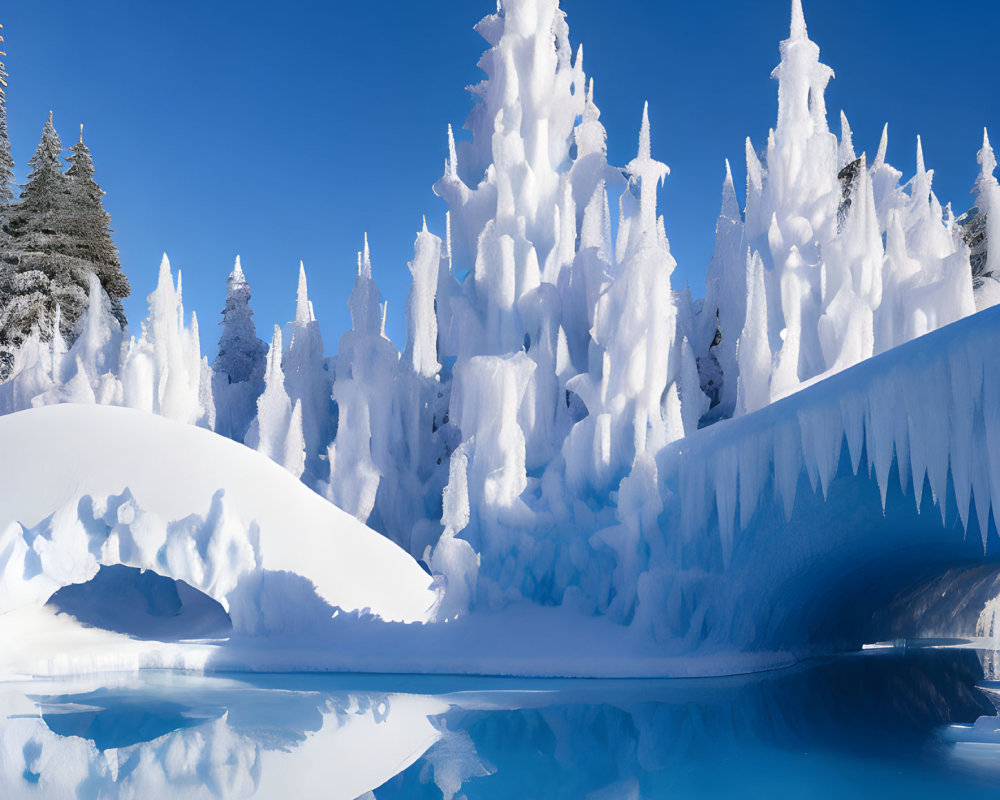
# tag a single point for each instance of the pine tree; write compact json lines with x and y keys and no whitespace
{"x":37,"y":276}
{"x":54,"y":240}
{"x":90,"y":228}
{"x":238,"y":369}
{"x":6,"y":161}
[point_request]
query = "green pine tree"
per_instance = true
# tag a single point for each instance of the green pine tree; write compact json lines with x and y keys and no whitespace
{"x":90,"y":228}
{"x":37,"y":275}
{"x":6,"y":162}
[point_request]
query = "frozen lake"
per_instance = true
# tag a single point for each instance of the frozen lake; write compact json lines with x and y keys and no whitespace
{"x":917,"y":722}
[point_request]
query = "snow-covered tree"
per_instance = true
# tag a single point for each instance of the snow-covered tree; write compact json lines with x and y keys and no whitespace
{"x":6,"y":161}
{"x":55,"y":239}
{"x":238,"y":369}
{"x":980,"y":228}
{"x":40,"y":275}
{"x":90,"y":227}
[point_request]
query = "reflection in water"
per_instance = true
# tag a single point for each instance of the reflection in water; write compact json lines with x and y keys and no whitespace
{"x":908,"y":723}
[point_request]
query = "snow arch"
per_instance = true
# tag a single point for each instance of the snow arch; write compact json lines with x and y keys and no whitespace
{"x":85,"y":486}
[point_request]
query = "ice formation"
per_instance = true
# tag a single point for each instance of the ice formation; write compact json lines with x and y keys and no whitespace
{"x":563,"y":427}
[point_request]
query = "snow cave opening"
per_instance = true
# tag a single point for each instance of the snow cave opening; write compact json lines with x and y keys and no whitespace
{"x":144,"y":605}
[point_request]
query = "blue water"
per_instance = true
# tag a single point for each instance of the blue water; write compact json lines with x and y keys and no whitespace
{"x":899,"y":723}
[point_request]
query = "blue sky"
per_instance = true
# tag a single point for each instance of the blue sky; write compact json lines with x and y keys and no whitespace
{"x":285,"y":131}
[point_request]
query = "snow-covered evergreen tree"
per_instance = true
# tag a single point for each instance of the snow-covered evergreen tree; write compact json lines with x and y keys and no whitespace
{"x":53,"y":240}
{"x":6,"y":160}
{"x":238,"y":369}
{"x":980,"y":227}
{"x":40,"y":275}
{"x":90,"y":227}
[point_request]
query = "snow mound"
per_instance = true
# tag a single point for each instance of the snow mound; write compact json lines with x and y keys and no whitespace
{"x":83,"y":486}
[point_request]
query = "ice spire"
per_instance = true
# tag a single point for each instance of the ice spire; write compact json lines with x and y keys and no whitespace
{"x":649,"y":173}
{"x":303,"y":309}
{"x":730,"y":205}
{"x":802,"y":81}
{"x":798,"y":28}
{"x":724,"y":310}
{"x":277,"y":430}
{"x":365,"y":301}
{"x":988,"y":161}
{"x":846,"y":153}
{"x":452,"y":168}
{"x":421,"y":322}
{"x":883,"y":147}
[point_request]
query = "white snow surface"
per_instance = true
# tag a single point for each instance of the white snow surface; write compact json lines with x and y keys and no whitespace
{"x":258,"y":517}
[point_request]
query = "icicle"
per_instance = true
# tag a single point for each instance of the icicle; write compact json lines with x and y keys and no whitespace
{"x":846,"y":153}
{"x":452,"y":169}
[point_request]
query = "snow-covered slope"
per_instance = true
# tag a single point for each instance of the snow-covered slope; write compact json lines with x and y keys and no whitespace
{"x":125,"y":487}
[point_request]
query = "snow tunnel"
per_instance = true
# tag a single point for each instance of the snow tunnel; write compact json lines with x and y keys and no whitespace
{"x":144,"y":605}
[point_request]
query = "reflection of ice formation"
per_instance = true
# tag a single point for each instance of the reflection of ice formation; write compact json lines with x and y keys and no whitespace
{"x":209,"y":739}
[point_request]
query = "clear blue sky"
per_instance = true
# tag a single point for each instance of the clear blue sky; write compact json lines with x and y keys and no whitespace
{"x":284,"y":131}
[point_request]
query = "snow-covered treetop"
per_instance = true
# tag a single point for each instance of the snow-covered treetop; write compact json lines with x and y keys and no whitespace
{"x":46,"y":165}
{"x":6,"y":161}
